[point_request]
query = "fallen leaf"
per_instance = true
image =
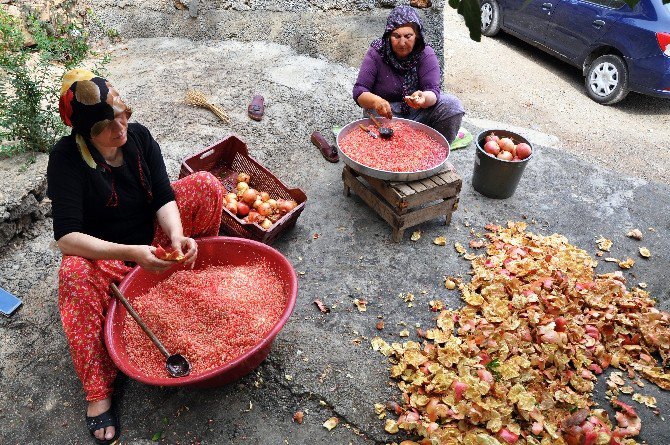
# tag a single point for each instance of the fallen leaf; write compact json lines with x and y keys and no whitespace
{"x":436,"y":305}
{"x":321,"y":306}
{"x":297,"y":417}
{"x":331,"y":423}
{"x":604,"y":244}
{"x":380,"y":410}
{"x":459,"y":248}
{"x":391,"y":426}
{"x":650,"y":401}
{"x":440,"y":241}
{"x":361,"y":304}
{"x":380,"y":325}
{"x":476,"y":244}
{"x":449,"y":284}
{"x":644,"y":252}
{"x":315,"y":236}
{"x":635,"y":234}
{"x":627,"y":264}
{"x":404,"y":333}
{"x":416,"y":235}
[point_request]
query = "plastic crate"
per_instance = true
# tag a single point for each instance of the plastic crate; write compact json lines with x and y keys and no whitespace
{"x":225,"y":160}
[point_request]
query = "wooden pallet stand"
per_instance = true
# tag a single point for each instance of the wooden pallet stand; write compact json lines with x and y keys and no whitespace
{"x":406,"y":204}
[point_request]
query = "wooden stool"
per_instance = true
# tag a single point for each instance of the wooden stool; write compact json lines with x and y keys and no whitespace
{"x":406,"y":204}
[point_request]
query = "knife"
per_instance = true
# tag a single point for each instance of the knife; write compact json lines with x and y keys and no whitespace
{"x":368,"y":131}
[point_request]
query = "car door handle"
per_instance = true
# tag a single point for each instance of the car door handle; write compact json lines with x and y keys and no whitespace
{"x":546,"y":6}
{"x":598,"y":24}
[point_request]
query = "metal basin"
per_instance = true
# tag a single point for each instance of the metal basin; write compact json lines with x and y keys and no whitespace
{"x":389,"y":175}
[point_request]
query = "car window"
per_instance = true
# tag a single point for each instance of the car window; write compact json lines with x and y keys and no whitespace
{"x":616,"y":4}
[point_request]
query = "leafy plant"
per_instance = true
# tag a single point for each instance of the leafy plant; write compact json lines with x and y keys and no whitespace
{"x":29,"y":76}
{"x":492,"y":367}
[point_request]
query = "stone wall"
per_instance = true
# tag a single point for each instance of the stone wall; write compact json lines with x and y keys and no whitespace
{"x":22,"y":195}
{"x":338,"y":30}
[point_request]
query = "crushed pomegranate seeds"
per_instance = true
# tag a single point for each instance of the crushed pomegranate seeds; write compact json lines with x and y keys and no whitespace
{"x":409,"y":150}
{"x":518,"y":363}
{"x":210,"y":316}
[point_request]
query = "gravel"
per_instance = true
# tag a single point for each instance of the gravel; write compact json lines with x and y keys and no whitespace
{"x":503,"y":80}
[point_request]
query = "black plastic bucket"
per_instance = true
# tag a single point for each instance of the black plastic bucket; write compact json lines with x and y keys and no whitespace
{"x":493,"y":177}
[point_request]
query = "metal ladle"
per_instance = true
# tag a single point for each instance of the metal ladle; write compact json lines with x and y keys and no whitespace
{"x":175,"y":364}
{"x":384,"y":132}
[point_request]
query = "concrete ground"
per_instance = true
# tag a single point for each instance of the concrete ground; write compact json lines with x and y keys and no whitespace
{"x":320,"y":364}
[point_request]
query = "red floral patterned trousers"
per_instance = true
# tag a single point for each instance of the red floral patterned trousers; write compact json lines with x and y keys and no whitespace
{"x":83,"y":285}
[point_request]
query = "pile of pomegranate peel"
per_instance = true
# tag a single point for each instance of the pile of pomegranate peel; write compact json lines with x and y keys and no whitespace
{"x":517,"y":364}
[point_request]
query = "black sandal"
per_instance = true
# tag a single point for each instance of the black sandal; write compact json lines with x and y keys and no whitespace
{"x":108,"y":418}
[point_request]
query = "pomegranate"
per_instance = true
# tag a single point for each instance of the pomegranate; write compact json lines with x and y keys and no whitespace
{"x":523,"y":150}
{"x":492,"y":148}
{"x":243,"y":177}
{"x":242,"y":209}
{"x":506,"y":144}
{"x":492,"y":137}
{"x":232,"y":207}
{"x":265,"y":209}
{"x":242,"y":187}
{"x":505,"y":156}
{"x":249,"y":196}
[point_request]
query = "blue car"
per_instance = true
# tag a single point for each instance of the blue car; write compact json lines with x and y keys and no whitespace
{"x":618,"y":48}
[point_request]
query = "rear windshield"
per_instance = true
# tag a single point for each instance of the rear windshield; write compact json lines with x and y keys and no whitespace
{"x":663,"y":10}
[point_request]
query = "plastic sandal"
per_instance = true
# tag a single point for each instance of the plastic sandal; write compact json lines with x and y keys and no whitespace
{"x":327,"y":151}
{"x":256,"y":108}
{"x":108,"y":418}
{"x":463,"y":139}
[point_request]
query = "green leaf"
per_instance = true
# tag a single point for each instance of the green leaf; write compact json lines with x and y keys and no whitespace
{"x":157,"y":436}
{"x":470,"y":11}
{"x":492,"y":364}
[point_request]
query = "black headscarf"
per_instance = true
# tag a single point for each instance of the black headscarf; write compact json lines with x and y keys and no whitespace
{"x":88,"y":104}
{"x":407,"y":67}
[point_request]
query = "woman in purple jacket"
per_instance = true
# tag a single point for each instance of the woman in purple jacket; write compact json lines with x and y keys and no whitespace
{"x":400,"y":76}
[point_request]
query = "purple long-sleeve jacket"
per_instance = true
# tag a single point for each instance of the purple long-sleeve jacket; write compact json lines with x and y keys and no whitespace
{"x":377,"y":77}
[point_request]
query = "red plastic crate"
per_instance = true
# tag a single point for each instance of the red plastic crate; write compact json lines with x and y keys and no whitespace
{"x":225,"y":160}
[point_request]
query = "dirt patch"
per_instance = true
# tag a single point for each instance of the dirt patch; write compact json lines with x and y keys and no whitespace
{"x":506,"y":80}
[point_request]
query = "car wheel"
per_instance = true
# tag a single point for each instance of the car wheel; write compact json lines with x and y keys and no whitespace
{"x":490,"y":17}
{"x":607,"y":79}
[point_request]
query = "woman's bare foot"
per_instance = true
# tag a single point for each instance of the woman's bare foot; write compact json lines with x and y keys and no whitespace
{"x":97,"y":408}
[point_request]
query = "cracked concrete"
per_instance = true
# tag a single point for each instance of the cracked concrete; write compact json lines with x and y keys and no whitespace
{"x":328,"y":356}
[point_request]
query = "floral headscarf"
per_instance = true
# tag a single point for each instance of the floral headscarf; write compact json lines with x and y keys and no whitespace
{"x":88,"y":104}
{"x":408,"y":67}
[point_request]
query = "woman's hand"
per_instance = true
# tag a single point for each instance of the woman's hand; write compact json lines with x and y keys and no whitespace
{"x":383,"y":108}
{"x":145,"y":258}
{"x":187,"y":246}
{"x":416,"y":100}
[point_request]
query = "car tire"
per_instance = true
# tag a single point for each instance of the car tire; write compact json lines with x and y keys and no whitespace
{"x":607,"y":79}
{"x":490,"y":11}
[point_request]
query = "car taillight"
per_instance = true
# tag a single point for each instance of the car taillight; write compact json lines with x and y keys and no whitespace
{"x":664,"y":42}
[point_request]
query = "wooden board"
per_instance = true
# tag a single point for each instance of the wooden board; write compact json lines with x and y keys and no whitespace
{"x":386,"y":200}
{"x":406,"y":195}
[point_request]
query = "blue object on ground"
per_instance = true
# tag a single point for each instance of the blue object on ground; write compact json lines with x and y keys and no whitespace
{"x":8,"y":302}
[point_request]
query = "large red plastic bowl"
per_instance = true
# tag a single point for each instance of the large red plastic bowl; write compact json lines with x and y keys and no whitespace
{"x":212,"y":251}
